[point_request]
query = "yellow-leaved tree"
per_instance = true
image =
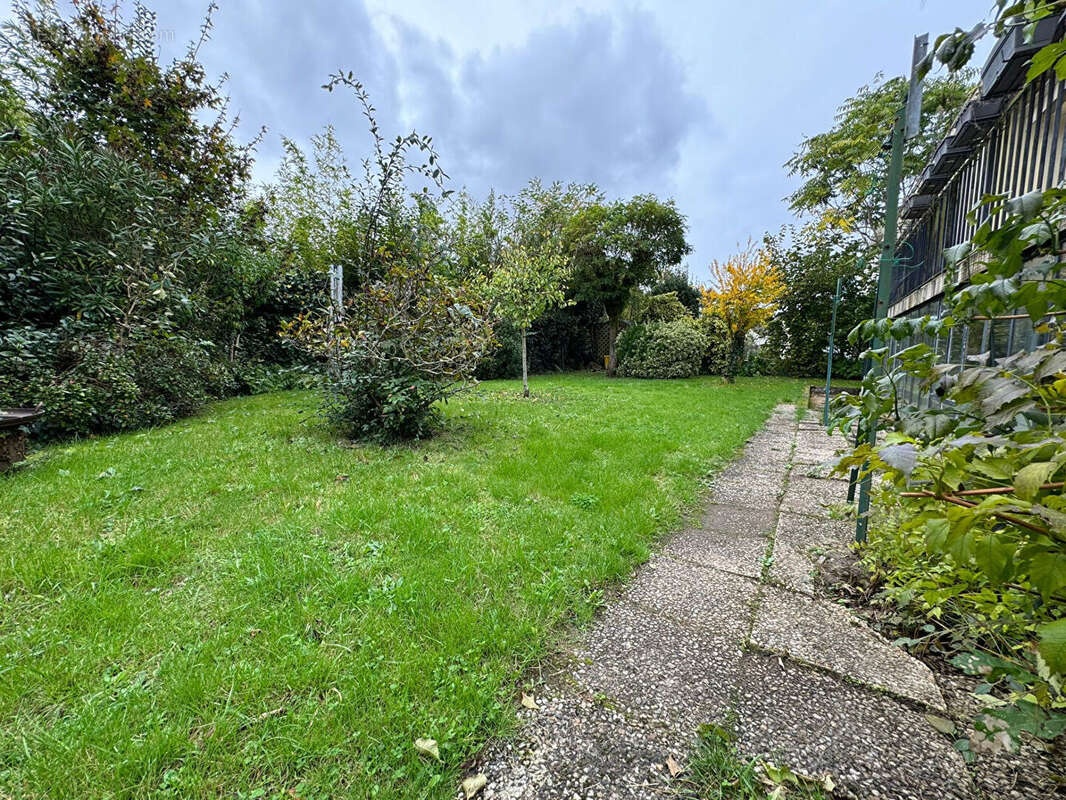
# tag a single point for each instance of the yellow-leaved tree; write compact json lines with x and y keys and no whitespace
{"x":744,"y":295}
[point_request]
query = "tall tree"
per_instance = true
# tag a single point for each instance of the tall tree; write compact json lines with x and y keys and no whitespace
{"x":843,"y":169}
{"x":618,"y":246}
{"x":744,"y":296}
{"x":100,"y":73}
{"x":811,"y":259}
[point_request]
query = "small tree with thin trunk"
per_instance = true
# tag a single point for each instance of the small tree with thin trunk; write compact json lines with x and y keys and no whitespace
{"x":527,"y":283}
{"x":744,"y":296}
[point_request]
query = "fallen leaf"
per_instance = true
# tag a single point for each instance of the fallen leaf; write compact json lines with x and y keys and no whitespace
{"x":673,"y":766}
{"x":529,"y":702}
{"x":428,"y":747}
{"x":945,"y":726}
{"x":341,"y":479}
{"x":828,"y":784}
{"x":474,"y":784}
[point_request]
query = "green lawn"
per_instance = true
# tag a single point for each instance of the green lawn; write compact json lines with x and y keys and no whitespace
{"x":236,"y":605}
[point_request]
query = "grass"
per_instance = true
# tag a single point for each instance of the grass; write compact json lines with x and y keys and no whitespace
{"x":717,"y":772}
{"x":239,"y":605}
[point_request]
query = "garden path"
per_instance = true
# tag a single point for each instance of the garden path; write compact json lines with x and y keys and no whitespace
{"x":724,"y":626}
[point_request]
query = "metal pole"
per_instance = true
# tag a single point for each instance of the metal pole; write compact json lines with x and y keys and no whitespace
{"x":908,"y":123}
{"x":829,"y":360}
{"x":884,"y":294}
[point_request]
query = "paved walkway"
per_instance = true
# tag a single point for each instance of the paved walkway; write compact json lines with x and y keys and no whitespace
{"x":723,"y":626}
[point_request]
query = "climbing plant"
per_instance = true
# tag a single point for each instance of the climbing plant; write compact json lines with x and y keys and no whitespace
{"x":981,"y":470}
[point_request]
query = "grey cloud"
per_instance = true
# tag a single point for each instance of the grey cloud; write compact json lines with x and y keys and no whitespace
{"x":601,"y":99}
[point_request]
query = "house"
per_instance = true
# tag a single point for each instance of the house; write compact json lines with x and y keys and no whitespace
{"x":1009,"y":139}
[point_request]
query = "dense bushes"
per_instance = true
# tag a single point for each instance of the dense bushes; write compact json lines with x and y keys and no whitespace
{"x":135,"y":281}
{"x":662,"y":349}
{"x":716,"y":355}
{"x":978,"y":476}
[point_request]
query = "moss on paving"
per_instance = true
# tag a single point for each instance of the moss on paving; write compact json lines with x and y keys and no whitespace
{"x":236,"y":605}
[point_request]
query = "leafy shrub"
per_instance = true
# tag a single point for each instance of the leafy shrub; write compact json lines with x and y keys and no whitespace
{"x":93,"y":383}
{"x":663,"y":308}
{"x":404,"y":343}
{"x":135,"y":284}
{"x":980,"y":474}
{"x":663,"y":349}
{"x":677,"y":282}
{"x":935,"y":604}
{"x":562,"y":338}
{"x":756,"y":363}
{"x":630,"y":343}
{"x":504,"y":359}
{"x":716,"y":355}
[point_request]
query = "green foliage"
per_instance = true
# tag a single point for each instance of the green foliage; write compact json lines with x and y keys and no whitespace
{"x":663,"y":308}
{"x":101,"y":385}
{"x":562,"y":338}
{"x":504,"y":358}
{"x":136,"y":283}
{"x":676,"y":281}
{"x":719,"y":345}
{"x":716,"y":771}
{"x":843,"y":169}
{"x":127,"y":319}
{"x":662,"y":349}
{"x":618,"y":247}
{"x":100,"y":73}
{"x":622,"y":245}
{"x":313,"y":209}
{"x":811,"y":260}
{"x":403,"y":343}
{"x":527,"y":283}
{"x":982,"y":472}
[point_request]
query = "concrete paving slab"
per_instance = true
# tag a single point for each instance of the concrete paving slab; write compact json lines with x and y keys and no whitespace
{"x":812,"y":496}
{"x":871,"y":745}
{"x":656,"y":669}
{"x":573,"y":746}
{"x":826,"y":635}
{"x":710,"y":599}
{"x":730,"y":552}
{"x":801,"y":543}
{"x":810,"y":455}
{"x":729,"y":538}
{"x":748,"y":489}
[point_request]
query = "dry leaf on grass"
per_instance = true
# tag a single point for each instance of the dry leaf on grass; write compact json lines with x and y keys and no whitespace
{"x":428,"y":747}
{"x":529,"y":702}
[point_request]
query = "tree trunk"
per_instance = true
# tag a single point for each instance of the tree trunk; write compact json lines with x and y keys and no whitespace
{"x":612,"y":334}
{"x":736,"y":357}
{"x":525,"y":373}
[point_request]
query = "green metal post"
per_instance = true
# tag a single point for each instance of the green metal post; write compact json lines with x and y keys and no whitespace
{"x":829,"y":360}
{"x":884,"y":292}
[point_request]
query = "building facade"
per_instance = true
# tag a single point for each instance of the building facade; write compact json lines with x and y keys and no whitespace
{"x":1009,"y":139}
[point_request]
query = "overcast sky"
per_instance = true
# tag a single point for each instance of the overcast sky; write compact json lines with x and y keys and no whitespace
{"x":699,"y":101}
